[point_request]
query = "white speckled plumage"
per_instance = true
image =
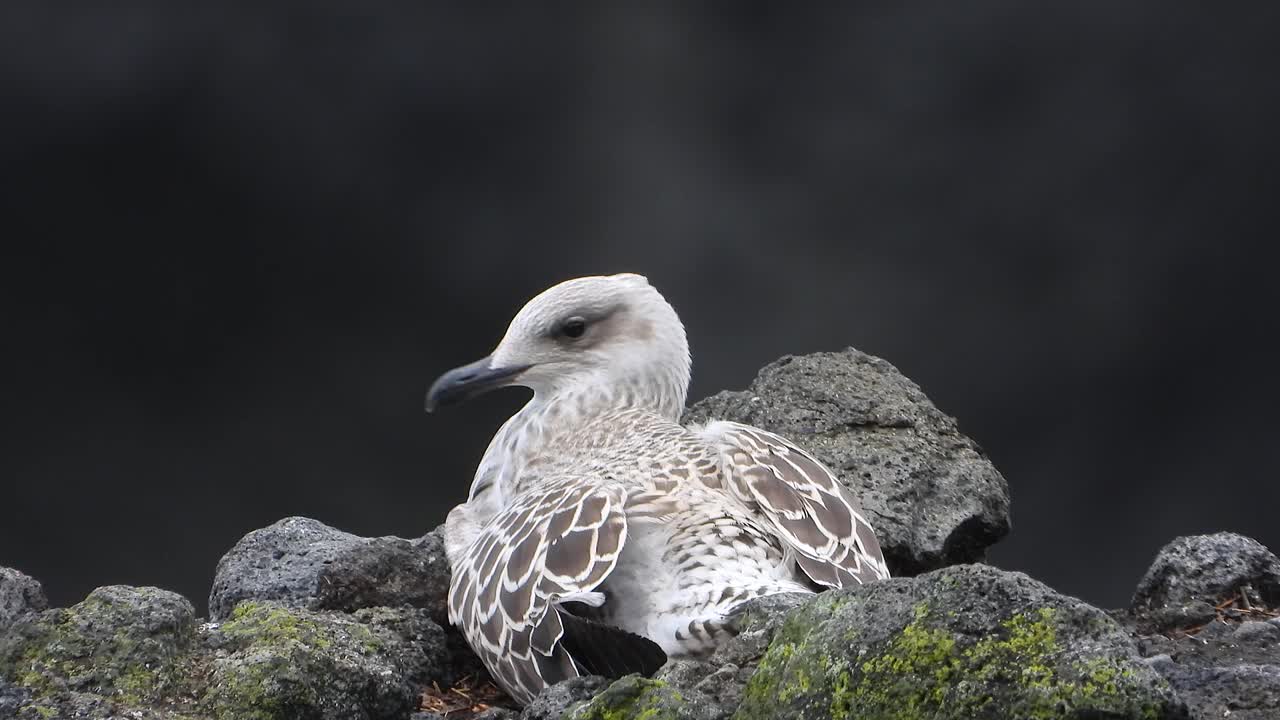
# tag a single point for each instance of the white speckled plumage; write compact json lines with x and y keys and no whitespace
{"x":594,"y":494}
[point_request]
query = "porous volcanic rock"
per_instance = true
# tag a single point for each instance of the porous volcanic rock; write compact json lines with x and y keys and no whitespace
{"x":556,"y":701}
{"x":277,"y":661}
{"x":140,"y":653}
{"x":930,"y":492}
{"x":967,"y":642}
{"x":304,"y":563}
{"x":20,"y":595}
{"x":1206,"y":615}
{"x":1205,"y":569}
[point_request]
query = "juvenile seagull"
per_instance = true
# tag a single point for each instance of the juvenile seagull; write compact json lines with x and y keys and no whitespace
{"x":601,"y":536}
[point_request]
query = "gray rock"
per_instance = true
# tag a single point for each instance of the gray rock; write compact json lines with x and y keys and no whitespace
{"x":755,"y":622}
{"x":69,"y":705}
{"x":304,"y":563}
{"x":685,"y":673}
{"x":637,"y":698}
{"x":1208,"y":568}
{"x":30,"y":706}
{"x":1254,"y":632}
{"x":12,"y":698}
{"x":1220,"y":645}
{"x":1238,"y":692}
{"x":118,"y":653}
{"x":20,"y":595}
{"x":966,"y":642}
{"x":120,"y":641}
{"x":557,"y":700}
{"x":137,"y":653}
{"x":931,"y":494}
{"x":1220,"y":669}
{"x":717,"y":688}
{"x":276,"y":661}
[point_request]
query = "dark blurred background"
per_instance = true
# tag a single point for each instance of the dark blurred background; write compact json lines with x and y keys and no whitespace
{"x":240,"y":241}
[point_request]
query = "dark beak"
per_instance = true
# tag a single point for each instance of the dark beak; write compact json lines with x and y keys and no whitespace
{"x":468,"y":381}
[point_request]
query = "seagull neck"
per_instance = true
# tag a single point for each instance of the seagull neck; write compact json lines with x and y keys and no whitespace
{"x":558,"y":417}
{"x":572,"y":407}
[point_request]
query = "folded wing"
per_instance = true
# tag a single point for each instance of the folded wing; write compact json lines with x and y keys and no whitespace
{"x":547,"y":548}
{"x":816,"y":517}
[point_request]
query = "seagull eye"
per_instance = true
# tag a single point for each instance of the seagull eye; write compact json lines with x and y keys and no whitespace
{"x":573,"y":328}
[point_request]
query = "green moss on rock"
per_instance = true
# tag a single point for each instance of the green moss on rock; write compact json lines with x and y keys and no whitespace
{"x":937,"y":648}
{"x":286,"y":662}
{"x":124,"y":643}
{"x":634,"y":698}
{"x":779,"y":677}
{"x":927,"y":672}
{"x":136,"y":652}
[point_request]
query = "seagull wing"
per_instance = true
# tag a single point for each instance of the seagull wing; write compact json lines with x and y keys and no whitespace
{"x":547,"y":547}
{"x":816,"y":517}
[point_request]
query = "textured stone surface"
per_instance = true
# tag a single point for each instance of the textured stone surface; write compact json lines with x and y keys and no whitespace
{"x":138,"y":653}
{"x":637,"y":698}
{"x":755,"y":622}
{"x":1223,"y":661}
{"x":278,"y":662}
{"x":931,"y":494}
{"x":304,"y":563}
{"x":119,"y":641}
{"x":715,"y":689}
{"x":554,"y":702}
{"x":20,"y":595}
{"x":12,"y":698}
{"x":82,"y":705}
{"x":1204,"y":569}
{"x":1238,"y":691}
{"x":1254,"y":632}
{"x":966,"y":642}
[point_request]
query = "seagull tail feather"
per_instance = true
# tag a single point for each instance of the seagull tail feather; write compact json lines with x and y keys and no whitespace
{"x":600,"y":649}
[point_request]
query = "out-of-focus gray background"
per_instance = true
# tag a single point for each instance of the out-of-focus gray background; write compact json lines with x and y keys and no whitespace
{"x":240,"y":241}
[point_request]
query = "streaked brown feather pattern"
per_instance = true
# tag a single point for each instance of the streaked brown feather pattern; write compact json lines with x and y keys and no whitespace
{"x":814,"y":514}
{"x":547,"y":545}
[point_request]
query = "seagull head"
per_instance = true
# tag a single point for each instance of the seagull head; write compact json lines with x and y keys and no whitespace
{"x":614,"y":333}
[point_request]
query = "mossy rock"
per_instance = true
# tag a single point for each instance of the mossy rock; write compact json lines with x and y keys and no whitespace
{"x":137,"y":652}
{"x":637,"y":698}
{"x":967,"y":642}
{"x":123,"y":643}
{"x":279,"y":662}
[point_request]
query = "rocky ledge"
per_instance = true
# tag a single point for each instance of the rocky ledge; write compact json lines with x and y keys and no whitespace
{"x":307,"y":621}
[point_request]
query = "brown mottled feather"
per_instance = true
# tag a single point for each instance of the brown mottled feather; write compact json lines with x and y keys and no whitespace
{"x":815,"y":515}
{"x":523,"y":563}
